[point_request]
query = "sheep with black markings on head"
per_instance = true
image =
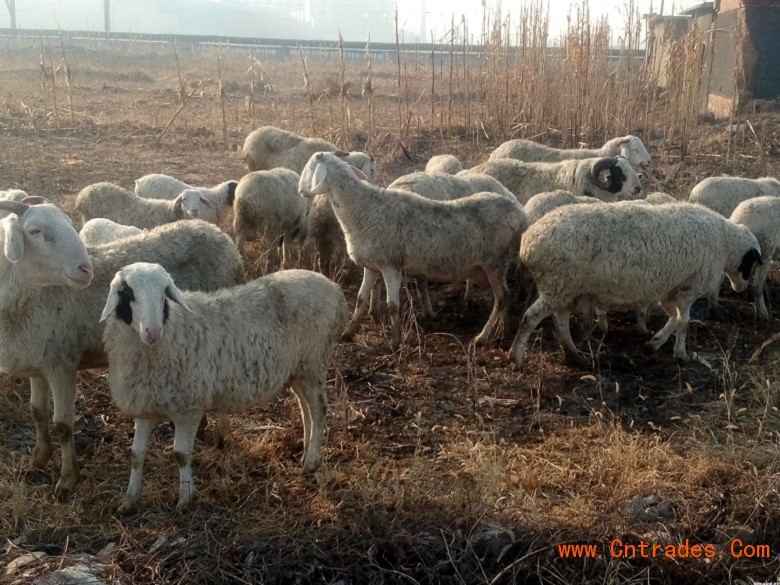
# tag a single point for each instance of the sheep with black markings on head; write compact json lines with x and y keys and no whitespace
{"x":210,"y":204}
{"x":608,"y":179}
{"x":269,"y":147}
{"x":390,"y":232}
{"x":673,"y":253}
{"x":762,"y":216}
{"x":630,"y":147}
{"x":217,"y":352}
{"x":49,"y":327}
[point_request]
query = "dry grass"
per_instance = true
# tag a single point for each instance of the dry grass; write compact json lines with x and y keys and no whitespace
{"x":442,"y":464}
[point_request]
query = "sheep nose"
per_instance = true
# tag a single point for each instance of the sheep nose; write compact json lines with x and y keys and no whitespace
{"x":153,"y":334}
{"x":85,"y":273}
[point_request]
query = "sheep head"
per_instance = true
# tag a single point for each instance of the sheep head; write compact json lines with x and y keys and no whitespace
{"x":40,"y":242}
{"x":139,"y":295}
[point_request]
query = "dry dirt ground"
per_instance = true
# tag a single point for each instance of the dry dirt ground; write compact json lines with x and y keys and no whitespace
{"x":442,"y":464}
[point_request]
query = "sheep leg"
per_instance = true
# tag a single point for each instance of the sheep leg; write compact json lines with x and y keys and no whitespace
{"x":222,"y":430}
{"x":143,"y":430}
{"x":63,"y":385}
{"x":683,"y":316}
{"x":601,"y":316}
{"x":39,"y":405}
{"x":240,"y":241}
{"x":641,"y":321}
{"x":311,"y":399}
{"x":183,"y":440}
{"x":671,"y":324}
{"x":369,"y":280}
{"x":757,"y":287}
{"x":536,"y":313}
{"x":392,"y":278}
{"x":425,"y":297}
{"x":572,"y":356}
{"x":375,"y":307}
{"x":497,"y":282}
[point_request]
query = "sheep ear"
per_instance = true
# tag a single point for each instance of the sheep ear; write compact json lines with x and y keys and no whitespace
{"x":367,"y":167}
{"x":175,"y":295}
{"x":358,"y":173}
{"x":317,"y":185}
{"x":625,"y":151}
{"x":14,"y":238}
{"x":206,"y":202}
{"x":177,"y":210}
{"x":113,"y":298}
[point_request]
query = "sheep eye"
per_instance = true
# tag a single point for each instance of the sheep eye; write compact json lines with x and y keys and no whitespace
{"x":34,"y":231}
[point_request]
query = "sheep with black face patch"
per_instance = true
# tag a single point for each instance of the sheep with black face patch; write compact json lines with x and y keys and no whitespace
{"x":210,"y":204}
{"x":49,"y":326}
{"x":390,"y":232}
{"x":672,"y":253}
{"x":178,"y":355}
{"x":630,"y":147}
{"x":608,"y":179}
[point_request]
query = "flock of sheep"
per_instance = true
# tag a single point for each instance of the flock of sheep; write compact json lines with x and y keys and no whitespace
{"x":165,"y":305}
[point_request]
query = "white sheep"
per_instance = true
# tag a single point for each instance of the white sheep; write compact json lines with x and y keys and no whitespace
{"x":444,"y":163}
{"x":542,"y":203}
{"x":49,"y":326}
{"x":444,"y":187}
{"x":608,"y":179}
{"x":121,"y":206}
{"x":668,"y":253}
{"x":723,"y":194}
{"x":629,"y":147}
{"x":211,"y":204}
{"x":100,"y":230}
{"x":390,"y":232}
{"x":268,"y":147}
{"x":217,"y":352}
{"x":762,"y":216}
{"x":267,"y":203}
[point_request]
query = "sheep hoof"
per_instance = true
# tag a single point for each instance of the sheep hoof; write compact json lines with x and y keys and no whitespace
{"x":184,"y":506}
{"x":129,"y":507}
{"x":682,"y":359}
{"x":648,"y":349}
{"x":65,"y":486}
{"x":41,"y":455}
{"x":576,"y":360}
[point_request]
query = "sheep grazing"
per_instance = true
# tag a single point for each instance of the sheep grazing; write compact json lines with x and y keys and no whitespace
{"x":723,"y":194}
{"x":389,"y":232}
{"x":444,"y":163}
{"x":121,"y":206}
{"x":49,"y":326}
{"x":325,"y":237}
{"x":268,"y":147}
{"x":608,"y":179}
{"x":210,"y":204}
{"x":668,"y":253}
{"x":762,"y":216}
{"x":100,"y":230}
{"x":267,"y":202}
{"x":221,"y":352}
{"x":629,"y":147}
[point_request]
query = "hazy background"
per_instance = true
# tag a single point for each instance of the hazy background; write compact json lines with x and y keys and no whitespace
{"x":315,"y":19}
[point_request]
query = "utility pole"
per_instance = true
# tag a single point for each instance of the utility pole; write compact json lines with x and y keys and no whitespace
{"x":107,"y":14}
{"x":12,"y":11}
